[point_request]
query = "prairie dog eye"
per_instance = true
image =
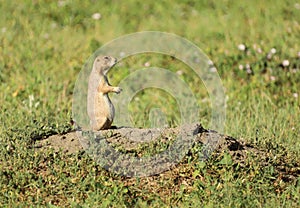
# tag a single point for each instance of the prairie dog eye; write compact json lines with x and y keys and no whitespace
{"x":106,"y":57}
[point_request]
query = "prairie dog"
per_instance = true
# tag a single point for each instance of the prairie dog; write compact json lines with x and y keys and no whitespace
{"x":99,"y":107}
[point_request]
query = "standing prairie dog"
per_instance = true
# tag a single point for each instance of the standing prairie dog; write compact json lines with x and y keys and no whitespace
{"x":99,"y":107}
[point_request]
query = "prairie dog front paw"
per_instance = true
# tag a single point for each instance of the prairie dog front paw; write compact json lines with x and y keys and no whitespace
{"x":117,"y":90}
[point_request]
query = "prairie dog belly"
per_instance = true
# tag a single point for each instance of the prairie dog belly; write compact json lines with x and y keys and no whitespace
{"x":103,"y":107}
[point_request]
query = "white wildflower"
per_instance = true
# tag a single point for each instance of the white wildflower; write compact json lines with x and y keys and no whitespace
{"x":272,"y":78}
{"x":273,"y":50}
{"x":210,"y":63}
{"x":61,"y":3}
{"x":285,"y":63}
{"x":96,"y":16}
{"x":249,"y":71}
{"x":241,"y":47}
{"x":213,"y":69}
{"x":259,"y":50}
{"x":179,"y":72}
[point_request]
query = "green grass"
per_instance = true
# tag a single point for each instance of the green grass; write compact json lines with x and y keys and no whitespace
{"x":43,"y":47}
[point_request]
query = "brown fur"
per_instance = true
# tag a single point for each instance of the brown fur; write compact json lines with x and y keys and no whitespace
{"x":100,"y":109}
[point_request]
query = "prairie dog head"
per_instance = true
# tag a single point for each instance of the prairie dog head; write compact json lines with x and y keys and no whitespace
{"x":102,"y":64}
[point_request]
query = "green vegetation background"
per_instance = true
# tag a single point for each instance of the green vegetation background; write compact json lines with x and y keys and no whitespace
{"x":43,"y":45}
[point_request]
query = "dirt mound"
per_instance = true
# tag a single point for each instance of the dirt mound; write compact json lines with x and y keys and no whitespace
{"x":137,"y":141}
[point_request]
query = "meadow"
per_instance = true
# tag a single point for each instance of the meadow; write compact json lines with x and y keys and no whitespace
{"x":255,"y":48}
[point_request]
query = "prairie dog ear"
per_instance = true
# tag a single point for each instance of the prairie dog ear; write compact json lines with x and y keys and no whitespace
{"x":98,"y":64}
{"x":103,"y":63}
